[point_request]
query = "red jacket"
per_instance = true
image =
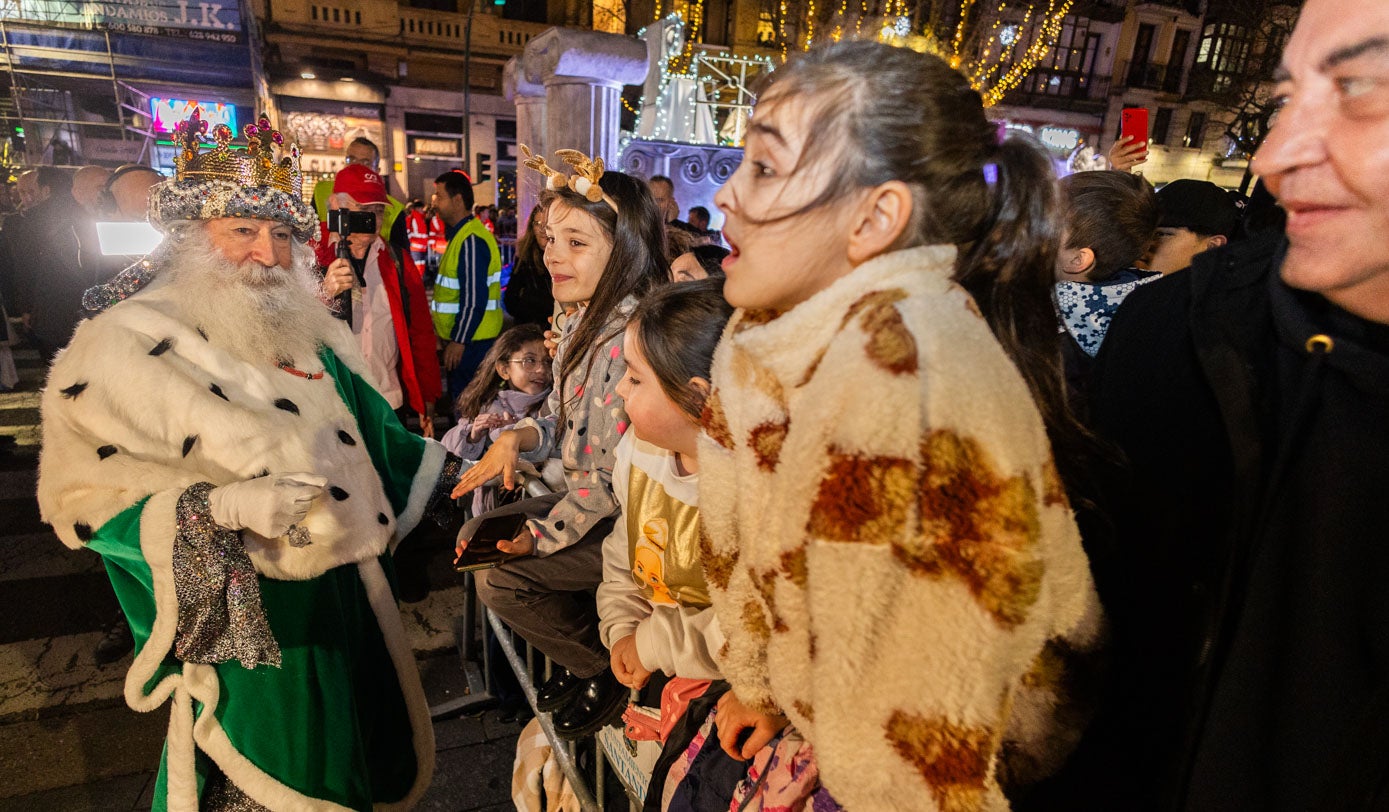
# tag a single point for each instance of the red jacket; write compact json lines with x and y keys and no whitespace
{"x":414,"y":334}
{"x":417,"y":230}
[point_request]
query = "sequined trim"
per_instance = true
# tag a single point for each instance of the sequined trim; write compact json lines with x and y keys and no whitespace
{"x":219,"y":612}
{"x":440,"y":507}
{"x":222,"y":795}
{"x":118,"y":288}
{"x":175,"y":200}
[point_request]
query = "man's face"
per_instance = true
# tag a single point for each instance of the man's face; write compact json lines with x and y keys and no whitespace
{"x":243,"y":239}
{"x":362,"y":154}
{"x":1328,"y":154}
{"x":450,"y":209}
{"x":699,"y":219}
{"x":87,"y":183}
{"x":664,"y":194}
{"x":30,"y":193}
{"x":1174,"y":248}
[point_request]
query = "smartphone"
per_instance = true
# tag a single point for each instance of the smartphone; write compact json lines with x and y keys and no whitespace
{"x":1133,"y":123}
{"x":482,"y":551}
{"x":356,"y":222}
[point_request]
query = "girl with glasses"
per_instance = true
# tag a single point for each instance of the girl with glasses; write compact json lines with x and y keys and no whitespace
{"x":512,"y":383}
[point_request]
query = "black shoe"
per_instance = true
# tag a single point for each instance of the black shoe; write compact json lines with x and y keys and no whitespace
{"x":116,"y":644}
{"x":557,"y":690}
{"x":600,"y":701}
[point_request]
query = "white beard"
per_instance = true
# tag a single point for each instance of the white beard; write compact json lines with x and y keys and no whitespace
{"x":256,"y":312}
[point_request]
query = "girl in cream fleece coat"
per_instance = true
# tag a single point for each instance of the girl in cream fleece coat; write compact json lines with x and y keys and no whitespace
{"x":889,"y":546}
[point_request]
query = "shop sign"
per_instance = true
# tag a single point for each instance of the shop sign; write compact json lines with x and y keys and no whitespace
{"x":191,"y":19}
{"x":435,"y":147}
{"x":1061,"y":139}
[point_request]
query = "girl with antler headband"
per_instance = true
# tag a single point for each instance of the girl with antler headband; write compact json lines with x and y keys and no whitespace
{"x":605,"y":248}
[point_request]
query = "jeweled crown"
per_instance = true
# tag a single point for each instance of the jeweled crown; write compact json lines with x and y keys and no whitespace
{"x":266,"y":162}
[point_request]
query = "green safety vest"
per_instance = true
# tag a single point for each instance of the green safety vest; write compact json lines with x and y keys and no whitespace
{"x":447,"y":289}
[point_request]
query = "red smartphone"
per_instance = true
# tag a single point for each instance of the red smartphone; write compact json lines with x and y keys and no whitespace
{"x":1133,"y":123}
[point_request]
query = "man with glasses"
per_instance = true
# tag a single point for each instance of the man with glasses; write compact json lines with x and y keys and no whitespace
{"x":364,"y":152}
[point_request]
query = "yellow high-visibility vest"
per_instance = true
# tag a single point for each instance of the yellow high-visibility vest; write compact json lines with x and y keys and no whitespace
{"x":447,"y":287}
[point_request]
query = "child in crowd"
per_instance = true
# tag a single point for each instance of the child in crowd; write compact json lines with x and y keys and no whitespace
{"x":700,"y":262}
{"x":512,"y":383}
{"x":653,"y":605}
{"x":605,"y":248}
{"x":1110,"y":220}
{"x":890,"y":546}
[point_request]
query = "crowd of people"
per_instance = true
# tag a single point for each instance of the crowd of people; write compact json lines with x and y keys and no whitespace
{"x":946,"y":484}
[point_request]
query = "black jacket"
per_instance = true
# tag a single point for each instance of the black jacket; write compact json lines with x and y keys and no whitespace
{"x":1205,"y":387}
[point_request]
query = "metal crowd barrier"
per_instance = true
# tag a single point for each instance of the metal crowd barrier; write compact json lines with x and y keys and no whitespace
{"x":589,"y":787}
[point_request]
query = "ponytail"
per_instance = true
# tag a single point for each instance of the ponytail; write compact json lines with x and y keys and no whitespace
{"x":1010,"y":272}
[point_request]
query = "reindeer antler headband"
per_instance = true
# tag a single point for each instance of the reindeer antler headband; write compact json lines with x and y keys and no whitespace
{"x":584,"y":181}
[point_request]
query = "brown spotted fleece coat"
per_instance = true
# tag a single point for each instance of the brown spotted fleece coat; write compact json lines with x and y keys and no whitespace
{"x":889,"y":548}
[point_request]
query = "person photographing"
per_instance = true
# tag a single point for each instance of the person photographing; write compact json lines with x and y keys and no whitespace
{"x":388,"y":314}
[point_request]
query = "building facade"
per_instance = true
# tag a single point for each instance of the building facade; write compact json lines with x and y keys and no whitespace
{"x":421,"y":79}
{"x":1202,"y":70}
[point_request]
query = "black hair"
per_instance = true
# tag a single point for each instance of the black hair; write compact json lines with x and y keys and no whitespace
{"x":457,"y":182}
{"x":661,"y":179}
{"x":701,"y":211}
{"x":887,"y":113}
{"x":677,"y":328}
{"x":710,"y":258}
{"x":485,"y":385}
{"x":635,"y":265}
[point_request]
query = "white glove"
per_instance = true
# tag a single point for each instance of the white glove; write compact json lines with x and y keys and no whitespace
{"x":266,"y":505}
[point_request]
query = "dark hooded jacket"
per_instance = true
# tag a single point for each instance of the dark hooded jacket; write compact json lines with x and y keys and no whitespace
{"x":1246,"y":585}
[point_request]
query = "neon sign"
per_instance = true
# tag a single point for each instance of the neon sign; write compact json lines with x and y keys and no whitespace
{"x":167,"y":113}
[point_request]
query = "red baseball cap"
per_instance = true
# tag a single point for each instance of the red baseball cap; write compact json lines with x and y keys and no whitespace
{"x":361,"y":184}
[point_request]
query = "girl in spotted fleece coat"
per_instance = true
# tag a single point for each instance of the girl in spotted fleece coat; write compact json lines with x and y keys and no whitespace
{"x":602,"y":254}
{"x":890,"y":549}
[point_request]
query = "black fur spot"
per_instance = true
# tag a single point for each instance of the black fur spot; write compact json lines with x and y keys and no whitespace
{"x":559,"y":525}
{"x":188,"y":443}
{"x":162,"y":347}
{"x":73,"y":391}
{"x":287,"y":404}
{"x":583,"y":430}
{"x":571,"y":424}
{"x":381,"y":517}
{"x":346,"y":438}
{"x":83,"y":531}
{"x":607,"y":377}
{"x":217,"y":390}
{"x":264,"y":472}
{"x":106,"y":451}
{"x":338,"y":493}
{"x":202,"y":333}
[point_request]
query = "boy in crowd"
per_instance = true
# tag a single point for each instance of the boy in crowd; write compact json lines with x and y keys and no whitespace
{"x":1193,"y":216}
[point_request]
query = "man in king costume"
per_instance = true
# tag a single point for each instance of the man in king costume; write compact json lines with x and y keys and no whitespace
{"x":210,"y":433}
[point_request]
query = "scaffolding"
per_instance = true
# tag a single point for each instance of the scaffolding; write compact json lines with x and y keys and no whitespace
{"x":70,"y":95}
